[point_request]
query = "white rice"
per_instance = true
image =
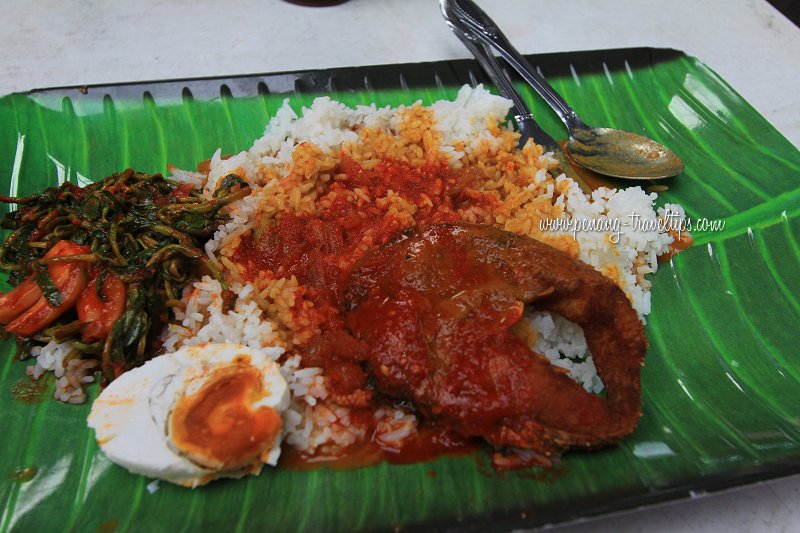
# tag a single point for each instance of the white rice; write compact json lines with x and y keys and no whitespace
{"x":564,"y":344}
{"x":636,"y":246}
{"x":203,"y":320}
{"x":71,"y":372}
{"x":394,"y":427}
{"x":465,"y":119}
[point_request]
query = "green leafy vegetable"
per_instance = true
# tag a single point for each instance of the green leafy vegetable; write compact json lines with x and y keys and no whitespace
{"x":146,"y":229}
{"x":48,"y":288}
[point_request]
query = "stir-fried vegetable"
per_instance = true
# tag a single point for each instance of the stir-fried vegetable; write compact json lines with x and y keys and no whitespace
{"x":58,"y":287}
{"x":102,"y":265}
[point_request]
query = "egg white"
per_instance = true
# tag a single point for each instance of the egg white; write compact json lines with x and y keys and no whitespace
{"x":130,"y":417}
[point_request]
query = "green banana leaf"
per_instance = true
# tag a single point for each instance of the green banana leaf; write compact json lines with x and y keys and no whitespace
{"x":722,"y":377}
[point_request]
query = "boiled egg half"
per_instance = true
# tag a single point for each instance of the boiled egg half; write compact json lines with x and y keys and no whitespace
{"x":200,"y":413}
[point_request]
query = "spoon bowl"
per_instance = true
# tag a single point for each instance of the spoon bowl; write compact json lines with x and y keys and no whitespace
{"x":622,"y":154}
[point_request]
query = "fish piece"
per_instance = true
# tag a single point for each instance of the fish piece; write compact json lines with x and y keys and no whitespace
{"x":436,"y":308}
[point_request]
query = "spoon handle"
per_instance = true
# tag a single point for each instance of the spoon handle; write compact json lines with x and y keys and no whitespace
{"x":526,"y":124}
{"x":466,"y":16}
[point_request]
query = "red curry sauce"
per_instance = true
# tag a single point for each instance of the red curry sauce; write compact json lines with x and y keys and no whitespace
{"x":321,"y":249}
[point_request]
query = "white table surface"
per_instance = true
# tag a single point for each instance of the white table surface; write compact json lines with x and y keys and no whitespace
{"x":756,"y":49}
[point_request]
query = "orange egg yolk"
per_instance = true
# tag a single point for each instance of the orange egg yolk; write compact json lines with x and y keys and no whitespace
{"x":218,"y":427}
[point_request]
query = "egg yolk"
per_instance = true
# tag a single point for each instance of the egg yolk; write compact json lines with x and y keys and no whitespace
{"x":218,"y":427}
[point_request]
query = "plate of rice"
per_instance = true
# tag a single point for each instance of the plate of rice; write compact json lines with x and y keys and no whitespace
{"x":719,"y":383}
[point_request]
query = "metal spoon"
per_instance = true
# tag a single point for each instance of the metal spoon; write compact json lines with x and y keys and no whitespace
{"x":527,"y":125}
{"x":607,"y":151}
